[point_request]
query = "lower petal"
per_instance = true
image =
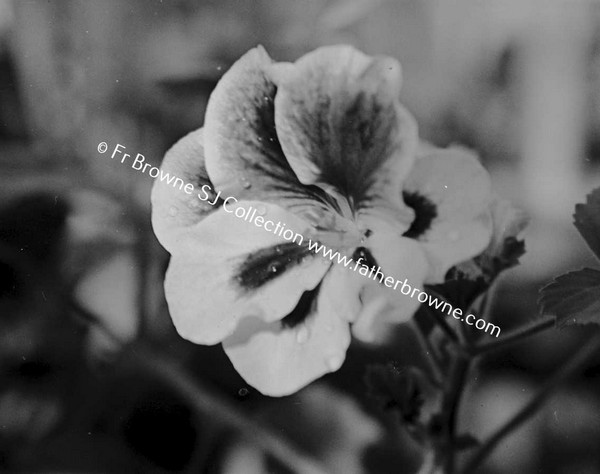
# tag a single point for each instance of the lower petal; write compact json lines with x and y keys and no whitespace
{"x":278,"y":360}
{"x":227,"y":269}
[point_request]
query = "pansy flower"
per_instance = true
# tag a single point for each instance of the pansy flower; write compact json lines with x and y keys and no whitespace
{"x":324,"y":146}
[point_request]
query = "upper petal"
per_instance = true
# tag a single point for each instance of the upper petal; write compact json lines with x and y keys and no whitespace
{"x":243,"y":155}
{"x":342,"y":127}
{"x":454,"y":190}
{"x":226,"y":269}
{"x":173,"y":209}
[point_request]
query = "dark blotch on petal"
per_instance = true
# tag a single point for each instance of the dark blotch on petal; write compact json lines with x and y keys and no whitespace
{"x":367,"y":257}
{"x":266,"y":264}
{"x":425,"y":212}
{"x":302,"y":310}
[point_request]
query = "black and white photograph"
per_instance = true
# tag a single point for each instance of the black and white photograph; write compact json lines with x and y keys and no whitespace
{"x":300,"y":236}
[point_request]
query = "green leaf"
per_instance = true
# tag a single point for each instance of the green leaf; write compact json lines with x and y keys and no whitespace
{"x":587,"y":221}
{"x":574,"y":298}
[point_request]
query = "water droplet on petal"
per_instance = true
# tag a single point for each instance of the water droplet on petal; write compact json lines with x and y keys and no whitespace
{"x":173,"y":211}
{"x":245,"y":183}
{"x":454,"y":235}
{"x":261,"y":210}
{"x":302,"y":335}
{"x":334,"y":362}
{"x":274,"y":269}
{"x":278,"y":250}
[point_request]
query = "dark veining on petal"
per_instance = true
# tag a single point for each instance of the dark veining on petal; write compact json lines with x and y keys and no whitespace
{"x":366,"y":124}
{"x":367,"y":257}
{"x":302,"y":191}
{"x":425,"y":212}
{"x":266,"y":264}
{"x":305,"y":306}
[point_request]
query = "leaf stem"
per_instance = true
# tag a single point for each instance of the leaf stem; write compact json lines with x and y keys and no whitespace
{"x":439,"y":320}
{"x":429,"y":350}
{"x":450,"y":407}
{"x":514,"y":336}
{"x":569,"y":368}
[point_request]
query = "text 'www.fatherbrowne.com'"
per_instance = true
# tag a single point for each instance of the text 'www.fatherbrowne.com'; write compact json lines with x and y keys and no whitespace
{"x":256,"y":216}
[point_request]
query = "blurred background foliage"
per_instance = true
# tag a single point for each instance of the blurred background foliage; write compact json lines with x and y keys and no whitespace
{"x":82,"y":314}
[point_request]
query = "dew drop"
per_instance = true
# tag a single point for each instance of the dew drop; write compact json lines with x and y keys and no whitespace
{"x":302,"y":335}
{"x":242,"y":392}
{"x":173,"y":211}
{"x":261,"y":210}
{"x":278,"y":250}
{"x":245,"y":183}
{"x":333,"y":362}
{"x":274,"y":269}
{"x":454,"y":235}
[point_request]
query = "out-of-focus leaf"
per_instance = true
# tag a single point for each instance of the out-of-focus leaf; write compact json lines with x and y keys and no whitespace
{"x":397,"y":389}
{"x":327,"y":424}
{"x":34,"y":224}
{"x":344,"y":13}
{"x":109,"y":292}
{"x":574,"y":298}
{"x":587,"y":221}
{"x":465,"y":441}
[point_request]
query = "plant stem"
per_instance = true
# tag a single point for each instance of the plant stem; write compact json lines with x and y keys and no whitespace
{"x":571,"y":367}
{"x":428,"y":349}
{"x":450,"y":408}
{"x":440,"y":321}
{"x":513,"y":336}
